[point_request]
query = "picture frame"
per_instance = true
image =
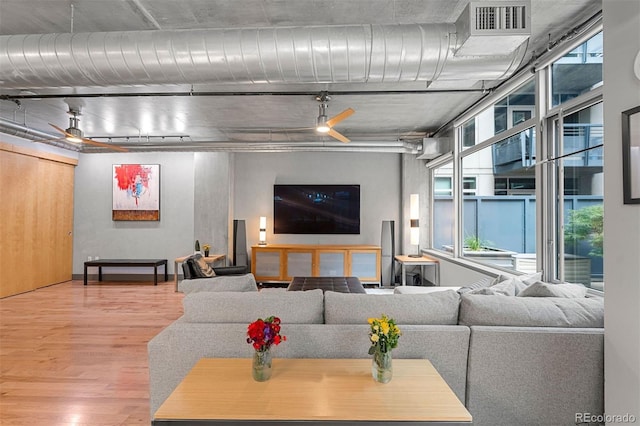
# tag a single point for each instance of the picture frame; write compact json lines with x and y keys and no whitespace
{"x":631,"y":155}
{"x":136,"y":192}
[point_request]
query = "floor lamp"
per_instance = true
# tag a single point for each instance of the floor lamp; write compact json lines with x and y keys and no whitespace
{"x":414,"y":218}
{"x":263,"y":231}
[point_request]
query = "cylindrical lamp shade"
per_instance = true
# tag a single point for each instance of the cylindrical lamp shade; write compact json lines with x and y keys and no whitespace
{"x":414,"y":216}
{"x":263,"y":230}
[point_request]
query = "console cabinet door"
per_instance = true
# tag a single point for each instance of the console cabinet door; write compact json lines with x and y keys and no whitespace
{"x":299,"y":263}
{"x":267,"y":264}
{"x":331,"y":263}
{"x":365,"y":264}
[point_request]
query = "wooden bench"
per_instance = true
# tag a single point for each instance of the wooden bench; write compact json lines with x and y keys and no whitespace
{"x":127,"y":263}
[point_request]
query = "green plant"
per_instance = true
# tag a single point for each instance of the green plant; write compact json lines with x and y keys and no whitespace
{"x":473,"y":242}
{"x":586,"y":224}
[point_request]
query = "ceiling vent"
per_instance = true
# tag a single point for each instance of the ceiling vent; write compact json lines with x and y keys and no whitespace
{"x":434,"y":147}
{"x":497,"y":28}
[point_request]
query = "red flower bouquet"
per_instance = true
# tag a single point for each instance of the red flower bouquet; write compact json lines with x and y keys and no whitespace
{"x":264,"y":333}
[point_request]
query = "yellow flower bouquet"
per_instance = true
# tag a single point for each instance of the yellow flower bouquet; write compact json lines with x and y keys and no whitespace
{"x":384,"y":335}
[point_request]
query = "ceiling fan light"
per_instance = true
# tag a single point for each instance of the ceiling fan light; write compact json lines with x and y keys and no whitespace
{"x":321,"y":124}
{"x":74,"y":135}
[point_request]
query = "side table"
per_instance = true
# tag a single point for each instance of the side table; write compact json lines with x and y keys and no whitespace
{"x":423,"y":261}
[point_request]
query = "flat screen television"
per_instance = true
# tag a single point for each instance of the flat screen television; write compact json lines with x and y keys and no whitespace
{"x":316,"y":209}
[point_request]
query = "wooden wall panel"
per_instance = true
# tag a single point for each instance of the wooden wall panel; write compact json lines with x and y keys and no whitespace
{"x":36,"y":220}
{"x":18,"y":207}
{"x":55,"y":221}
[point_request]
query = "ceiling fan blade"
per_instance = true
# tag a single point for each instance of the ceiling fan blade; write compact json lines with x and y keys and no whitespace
{"x":89,"y":141}
{"x":338,"y":136}
{"x":104,"y":145}
{"x":338,"y":118}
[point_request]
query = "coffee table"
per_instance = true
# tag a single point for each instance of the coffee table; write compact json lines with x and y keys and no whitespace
{"x":337,"y":284}
{"x":221,"y":391}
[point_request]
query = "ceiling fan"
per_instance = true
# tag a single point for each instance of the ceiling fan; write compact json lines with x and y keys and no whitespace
{"x":75,"y":135}
{"x":324,"y":125}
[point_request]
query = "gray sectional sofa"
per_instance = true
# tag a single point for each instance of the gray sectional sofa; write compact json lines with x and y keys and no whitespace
{"x":511,"y":360}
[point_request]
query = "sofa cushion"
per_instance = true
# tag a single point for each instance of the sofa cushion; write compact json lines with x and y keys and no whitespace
{"x":542,"y":289}
{"x":478,"y":309}
{"x":293,"y":307}
{"x":239,"y":283}
{"x":439,"y":307}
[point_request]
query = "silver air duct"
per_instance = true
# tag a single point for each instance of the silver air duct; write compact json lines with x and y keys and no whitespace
{"x":14,"y":129}
{"x":334,"y":54}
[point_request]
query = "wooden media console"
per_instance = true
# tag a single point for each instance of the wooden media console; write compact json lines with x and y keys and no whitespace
{"x":282,"y":262}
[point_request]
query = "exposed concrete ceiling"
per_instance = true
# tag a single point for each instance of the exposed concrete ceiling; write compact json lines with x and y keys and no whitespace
{"x":149,"y":109}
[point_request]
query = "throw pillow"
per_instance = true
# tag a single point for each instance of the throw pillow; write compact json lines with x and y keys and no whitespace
{"x":541,"y":289}
{"x":481,"y":283}
{"x":504,"y":288}
{"x":199,"y":267}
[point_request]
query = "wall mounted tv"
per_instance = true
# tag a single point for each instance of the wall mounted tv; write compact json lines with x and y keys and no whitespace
{"x":316,"y":209}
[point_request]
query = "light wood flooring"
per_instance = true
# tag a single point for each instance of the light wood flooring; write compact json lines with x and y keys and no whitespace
{"x":77,"y":355}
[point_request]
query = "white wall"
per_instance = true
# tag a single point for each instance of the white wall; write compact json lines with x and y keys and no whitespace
{"x":621,"y":222}
{"x":196,"y":190}
{"x":96,"y":234}
{"x":377,"y":174}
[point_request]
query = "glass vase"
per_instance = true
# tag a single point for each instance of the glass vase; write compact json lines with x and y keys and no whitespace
{"x":261,"y":367}
{"x":381,"y":367}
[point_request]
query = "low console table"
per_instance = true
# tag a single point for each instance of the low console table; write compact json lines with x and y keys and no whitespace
{"x":303,"y":392}
{"x":128,"y":263}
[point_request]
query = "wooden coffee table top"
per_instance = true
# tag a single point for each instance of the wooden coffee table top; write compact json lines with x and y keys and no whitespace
{"x":313,"y":390}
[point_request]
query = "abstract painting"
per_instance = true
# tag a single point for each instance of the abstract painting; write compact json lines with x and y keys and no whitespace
{"x":136,"y":192}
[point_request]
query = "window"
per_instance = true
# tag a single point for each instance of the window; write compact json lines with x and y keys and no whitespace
{"x":495,"y":227}
{"x":515,"y":108}
{"x":469,"y":133}
{"x":443,"y":185}
{"x":469,"y":186}
{"x":535,"y":184}
{"x":579,"y":214}
{"x":443,"y":212}
{"x":578,"y":71}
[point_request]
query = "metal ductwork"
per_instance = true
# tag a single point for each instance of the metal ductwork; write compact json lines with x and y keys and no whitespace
{"x":14,"y":129}
{"x":330,"y":54}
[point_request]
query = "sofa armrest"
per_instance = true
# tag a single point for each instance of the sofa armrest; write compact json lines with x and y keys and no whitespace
{"x":230,"y":270}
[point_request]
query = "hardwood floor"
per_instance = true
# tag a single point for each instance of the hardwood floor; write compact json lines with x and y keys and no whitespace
{"x":77,"y":355}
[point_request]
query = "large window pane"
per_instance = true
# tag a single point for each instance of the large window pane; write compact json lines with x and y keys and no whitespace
{"x":515,"y":108}
{"x":578,"y":72}
{"x":499,"y":219}
{"x":443,"y":213}
{"x":582,"y":188}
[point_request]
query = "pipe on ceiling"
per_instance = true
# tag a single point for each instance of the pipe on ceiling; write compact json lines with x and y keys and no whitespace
{"x":14,"y":129}
{"x":328,"y":54}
